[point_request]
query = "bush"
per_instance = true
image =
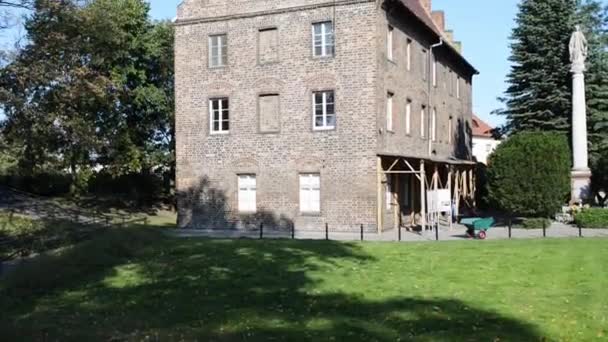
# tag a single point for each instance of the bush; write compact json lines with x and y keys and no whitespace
{"x":599,"y":178}
{"x":592,"y":218}
{"x":536,"y":223}
{"x":529,"y":174}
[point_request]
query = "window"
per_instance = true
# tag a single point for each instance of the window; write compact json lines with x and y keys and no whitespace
{"x":389,"y":43}
{"x":425,"y":64}
{"x":434,"y":72}
{"x":323,"y":39}
{"x":218,"y":51}
{"x":388,"y":192}
{"x":422,"y":118}
{"x":408,"y":116}
{"x":434,"y":125}
{"x":310,"y":193}
{"x":408,"y":54}
{"x":450,"y":130}
{"x":269,"y":115}
{"x":247,"y":193}
{"x":268,"y":45}
{"x":219,"y":115}
{"x":451,"y":83}
{"x":324,"y":111}
{"x":458,"y":87}
{"x":389,"y":112}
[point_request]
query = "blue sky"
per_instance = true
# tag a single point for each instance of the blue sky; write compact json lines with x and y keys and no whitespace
{"x":483,"y":26}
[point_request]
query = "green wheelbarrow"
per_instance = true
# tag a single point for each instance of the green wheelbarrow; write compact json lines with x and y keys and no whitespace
{"x":478,"y":227}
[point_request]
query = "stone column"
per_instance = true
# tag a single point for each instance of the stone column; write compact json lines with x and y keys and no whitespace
{"x":581,"y":174}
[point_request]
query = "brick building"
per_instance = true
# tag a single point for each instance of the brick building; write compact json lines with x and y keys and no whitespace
{"x":309,"y":112}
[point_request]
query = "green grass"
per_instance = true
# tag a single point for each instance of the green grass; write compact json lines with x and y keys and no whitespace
{"x":139,"y":285}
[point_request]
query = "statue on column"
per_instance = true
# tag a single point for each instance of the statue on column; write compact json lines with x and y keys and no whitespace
{"x":578,"y":48}
{"x":581,"y":175}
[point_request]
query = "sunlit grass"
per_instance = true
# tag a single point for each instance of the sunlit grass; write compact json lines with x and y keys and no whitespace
{"x":138,"y":284}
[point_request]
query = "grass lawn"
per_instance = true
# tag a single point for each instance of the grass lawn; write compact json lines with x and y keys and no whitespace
{"x":135,"y":284}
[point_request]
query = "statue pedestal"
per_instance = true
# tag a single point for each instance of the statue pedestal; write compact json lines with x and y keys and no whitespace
{"x":581,"y":186}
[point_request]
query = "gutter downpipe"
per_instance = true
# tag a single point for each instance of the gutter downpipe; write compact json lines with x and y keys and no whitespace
{"x":432,"y":77}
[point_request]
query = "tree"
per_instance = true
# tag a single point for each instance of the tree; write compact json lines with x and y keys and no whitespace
{"x":593,"y":17}
{"x":93,"y":87}
{"x":538,"y":97}
{"x":529,"y":174}
{"x":7,"y":8}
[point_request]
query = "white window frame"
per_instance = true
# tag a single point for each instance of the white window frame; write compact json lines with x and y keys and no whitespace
{"x":221,"y":115}
{"x":322,"y":41}
{"x":434,"y":125}
{"x":247,"y":193}
{"x":408,"y":117}
{"x":422,"y":119}
{"x":310,"y":193}
{"x":389,"y":112}
{"x":222,"y":47}
{"x":325,"y":114}
{"x":389,"y":43}
{"x":408,"y":54}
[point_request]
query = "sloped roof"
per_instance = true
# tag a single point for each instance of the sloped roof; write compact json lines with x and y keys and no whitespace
{"x":415,"y":7}
{"x":481,"y":128}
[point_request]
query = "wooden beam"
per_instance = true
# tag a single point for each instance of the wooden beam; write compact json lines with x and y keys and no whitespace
{"x":450,"y":189}
{"x":422,"y":196}
{"x":393,"y":165}
{"x":397,"y":207}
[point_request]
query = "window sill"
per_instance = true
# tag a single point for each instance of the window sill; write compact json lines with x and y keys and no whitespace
{"x":311,"y":214}
{"x":219,"y":133}
{"x":218,"y":67}
{"x":323,"y":129}
{"x":328,"y":57}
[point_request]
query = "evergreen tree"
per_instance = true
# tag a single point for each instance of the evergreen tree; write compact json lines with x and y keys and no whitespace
{"x":538,"y":97}
{"x":593,"y":17}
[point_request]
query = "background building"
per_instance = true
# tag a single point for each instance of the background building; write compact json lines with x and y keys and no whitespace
{"x":309,"y":112}
{"x":484,"y":142}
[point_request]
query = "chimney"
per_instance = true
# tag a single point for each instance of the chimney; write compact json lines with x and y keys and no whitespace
{"x":427,"y":4}
{"x":439,"y":19}
{"x":449,"y":34}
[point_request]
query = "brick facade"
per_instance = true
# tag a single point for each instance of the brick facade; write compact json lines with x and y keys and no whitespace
{"x":278,"y":147}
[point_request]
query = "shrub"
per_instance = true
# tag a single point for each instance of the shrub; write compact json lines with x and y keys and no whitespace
{"x":536,"y":223}
{"x":45,"y":184}
{"x":592,"y":218}
{"x":599,"y":178}
{"x":529,"y":174}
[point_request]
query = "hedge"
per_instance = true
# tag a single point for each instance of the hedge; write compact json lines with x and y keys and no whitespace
{"x":592,"y":218}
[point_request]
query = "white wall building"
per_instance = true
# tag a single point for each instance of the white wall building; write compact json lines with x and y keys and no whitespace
{"x":483,"y":141}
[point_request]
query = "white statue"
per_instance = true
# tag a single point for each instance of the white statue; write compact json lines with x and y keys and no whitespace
{"x":578,"y":47}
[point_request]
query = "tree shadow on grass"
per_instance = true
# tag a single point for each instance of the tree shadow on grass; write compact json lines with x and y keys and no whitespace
{"x":241,"y":290}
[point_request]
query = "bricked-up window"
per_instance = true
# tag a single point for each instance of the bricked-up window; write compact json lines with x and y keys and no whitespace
{"x":422,"y":119}
{"x":425,"y":64}
{"x":310,"y":193}
{"x":247,"y":185}
{"x":408,"y":117}
{"x":434,"y":72}
{"x":268,"y":45}
{"x":389,"y":112}
{"x":323,"y":39}
{"x":218,"y":50}
{"x":450,"y":129}
{"x":219,"y":115}
{"x":324,"y":110}
{"x":408,"y":54}
{"x":458,"y":87}
{"x":451,"y":83}
{"x":269,"y":115}
{"x":389,"y":43}
{"x":434,"y":125}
